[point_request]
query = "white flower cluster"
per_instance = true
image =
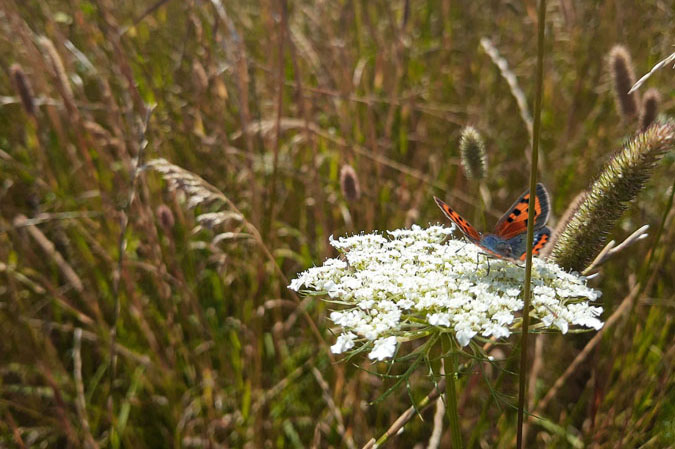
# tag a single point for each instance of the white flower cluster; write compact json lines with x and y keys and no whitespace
{"x":395,"y":286}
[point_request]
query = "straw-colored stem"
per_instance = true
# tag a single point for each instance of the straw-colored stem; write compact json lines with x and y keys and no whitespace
{"x":530,"y":223}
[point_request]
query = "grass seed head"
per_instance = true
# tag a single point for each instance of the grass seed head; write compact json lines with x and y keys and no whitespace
{"x":618,"y":184}
{"x":472,"y":151}
{"x":623,"y":76}
{"x":650,"y":108}
{"x":23,"y":88}
{"x":349,"y":183}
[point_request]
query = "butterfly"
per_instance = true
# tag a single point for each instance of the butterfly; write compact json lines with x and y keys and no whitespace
{"x":509,"y":238}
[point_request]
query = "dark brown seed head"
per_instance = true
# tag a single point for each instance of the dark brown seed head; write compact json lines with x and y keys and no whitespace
{"x":650,"y":108}
{"x":22,"y":86}
{"x":623,"y":75}
{"x":165,"y":217}
{"x":349,"y":183}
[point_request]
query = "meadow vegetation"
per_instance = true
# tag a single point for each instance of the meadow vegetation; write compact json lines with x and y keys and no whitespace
{"x":168,"y":167}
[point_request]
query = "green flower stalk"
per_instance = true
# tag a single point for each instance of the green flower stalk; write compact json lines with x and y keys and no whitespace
{"x":472,"y":150}
{"x":608,"y":198}
{"x":623,"y":75}
{"x":650,"y":108}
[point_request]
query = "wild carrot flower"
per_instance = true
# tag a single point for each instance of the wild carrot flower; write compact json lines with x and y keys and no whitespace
{"x":408,"y":284}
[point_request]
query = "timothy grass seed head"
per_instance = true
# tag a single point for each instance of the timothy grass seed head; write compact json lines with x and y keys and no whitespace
{"x":618,"y":184}
{"x":650,"y":108}
{"x":472,"y":151}
{"x":23,"y":88}
{"x":623,"y":76}
{"x":349,"y":183}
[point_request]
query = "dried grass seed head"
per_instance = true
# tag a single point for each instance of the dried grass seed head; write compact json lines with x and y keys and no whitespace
{"x":55,"y":63}
{"x":349,"y":183}
{"x":23,"y":88}
{"x":618,"y":184}
{"x":650,"y":108}
{"x":165,"y":217}
{"x":472,"y":151}
{"x":623,"y":77}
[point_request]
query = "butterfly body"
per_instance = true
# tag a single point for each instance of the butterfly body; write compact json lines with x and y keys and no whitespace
{"x":509,"y":238}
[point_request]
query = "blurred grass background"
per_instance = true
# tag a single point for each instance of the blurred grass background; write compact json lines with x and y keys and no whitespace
{"x":268,"y":101}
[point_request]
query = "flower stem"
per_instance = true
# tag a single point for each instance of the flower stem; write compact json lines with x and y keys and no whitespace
{"x":451,"y":396}
{"x":530,"y":222}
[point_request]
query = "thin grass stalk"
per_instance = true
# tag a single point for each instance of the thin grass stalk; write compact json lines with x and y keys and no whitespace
{"x":268,"y":222}
{"x":642,"y":279}
{"x":16,"y":433}
{"x":530,"y":222}
{"x":451,"y":396}
{"x":658,"y":66}
{"x":407,"y":415}
{"x":583,"y":355}
{"x":484,"y":420}
{"x":117,"y":274}
{"x":334,"y":410}
{"x":313,"y":182}
{"x":80,"y":402}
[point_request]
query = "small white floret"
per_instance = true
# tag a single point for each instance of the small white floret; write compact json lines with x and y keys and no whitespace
{"x":344,"y":342}
{"x":383,"y":349}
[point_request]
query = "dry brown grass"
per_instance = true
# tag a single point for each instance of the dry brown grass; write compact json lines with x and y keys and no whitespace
{"x":257,"y":107}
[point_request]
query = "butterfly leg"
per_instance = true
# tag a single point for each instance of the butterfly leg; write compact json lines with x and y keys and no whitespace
{"x":487,"y":257}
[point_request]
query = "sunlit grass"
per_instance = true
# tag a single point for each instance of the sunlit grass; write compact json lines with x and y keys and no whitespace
{"x":212,"y":349}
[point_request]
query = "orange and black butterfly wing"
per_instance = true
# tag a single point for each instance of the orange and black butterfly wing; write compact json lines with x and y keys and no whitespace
{"x":514,"y":221}
{"x":519,"y":243}
{"x":541,"y":238}
{"x":469,"y":231}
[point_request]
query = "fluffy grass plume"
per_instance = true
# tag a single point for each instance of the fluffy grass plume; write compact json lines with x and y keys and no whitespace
{"x":623,"y":75}
{"x":608,"y":198}
{"x":472,"y":151}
